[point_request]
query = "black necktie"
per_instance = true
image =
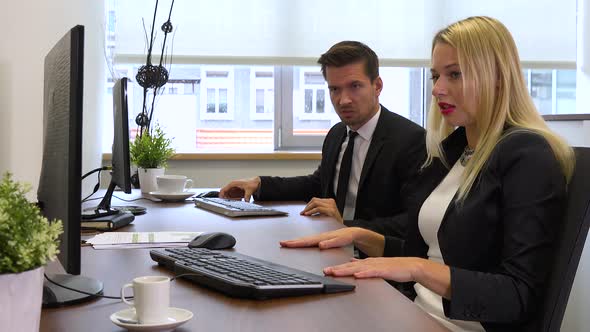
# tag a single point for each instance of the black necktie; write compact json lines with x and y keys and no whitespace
{"x":344,"y":175}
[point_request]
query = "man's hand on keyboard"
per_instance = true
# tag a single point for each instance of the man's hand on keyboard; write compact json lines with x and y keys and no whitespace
{"x":323,"y":206}
{"x":238,"y":189}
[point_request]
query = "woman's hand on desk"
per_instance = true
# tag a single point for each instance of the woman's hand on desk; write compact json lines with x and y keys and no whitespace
{"x":369,"y":242}
{"x":401,"y":269}
{"x":323,"y":206}
{"x":430,"y":274}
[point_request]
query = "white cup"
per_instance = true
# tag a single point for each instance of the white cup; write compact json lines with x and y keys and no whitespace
{"x":151,"y":298}
{"x":173,"y":183}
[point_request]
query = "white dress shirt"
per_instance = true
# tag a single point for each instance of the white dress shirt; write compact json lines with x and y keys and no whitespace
{"x":361,"y":147}
{"x":429,"y":220}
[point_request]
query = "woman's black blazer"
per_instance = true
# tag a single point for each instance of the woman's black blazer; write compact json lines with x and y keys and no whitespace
{"x":499,"y":242}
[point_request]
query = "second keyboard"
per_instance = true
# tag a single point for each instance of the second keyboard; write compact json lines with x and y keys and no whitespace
{"x":235,"y":208}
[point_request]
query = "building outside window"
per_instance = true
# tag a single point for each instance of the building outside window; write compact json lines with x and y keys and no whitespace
{"x":217,"y":93}
{"x":310,"y":99}
{"x":553,"y":90}
{"x":262,"y":96}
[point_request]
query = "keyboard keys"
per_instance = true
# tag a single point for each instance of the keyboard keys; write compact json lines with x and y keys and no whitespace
{"x":235,"y":208}
{"x":244,"y":276}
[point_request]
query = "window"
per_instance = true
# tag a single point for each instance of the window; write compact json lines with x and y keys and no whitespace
{"x":311,"y":116}
{"x":262,"y":93}
{"x":553,"y":90}
{"x":217,"y":93}
{"x":228,"y":107}
{"x":310,"y":94}
{"x":260,"y":89}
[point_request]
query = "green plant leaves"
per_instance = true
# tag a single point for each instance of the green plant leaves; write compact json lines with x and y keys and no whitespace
{"x":27,"y":239}
{"x":151,"y":150}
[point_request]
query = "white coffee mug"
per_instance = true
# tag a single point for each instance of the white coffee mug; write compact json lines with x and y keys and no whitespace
{"x":151,"y":298}
{"x":173,"y":183}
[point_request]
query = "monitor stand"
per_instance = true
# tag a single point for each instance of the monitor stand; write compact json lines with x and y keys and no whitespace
{"x":57,"y":296}
{"x":135,"y":209}
{"x":104,"y":213}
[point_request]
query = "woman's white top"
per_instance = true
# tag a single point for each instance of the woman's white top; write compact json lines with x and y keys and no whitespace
{"x":429,"y":220}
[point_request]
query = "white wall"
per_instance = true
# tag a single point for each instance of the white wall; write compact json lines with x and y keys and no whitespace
{"x":30,"y":29}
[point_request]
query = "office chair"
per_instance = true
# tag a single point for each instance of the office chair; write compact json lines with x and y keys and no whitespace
{"x":570,"y":243}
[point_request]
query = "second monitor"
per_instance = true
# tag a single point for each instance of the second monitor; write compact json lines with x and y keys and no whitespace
{"x":120,"y":173}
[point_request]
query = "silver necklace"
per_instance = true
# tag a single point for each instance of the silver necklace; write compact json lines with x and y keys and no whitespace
{"x":466,"y":155}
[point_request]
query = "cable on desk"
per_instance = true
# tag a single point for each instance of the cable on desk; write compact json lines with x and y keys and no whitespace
{"x":97,"y":186}
{"x":132,"y":200}
{"x":106,"y":296}
{"x":121,"y":199}
{"x":86,"y":293}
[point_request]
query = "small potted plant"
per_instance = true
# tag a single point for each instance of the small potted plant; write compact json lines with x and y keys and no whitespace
{"x":150,"y":153}
{"x":27,"y":241}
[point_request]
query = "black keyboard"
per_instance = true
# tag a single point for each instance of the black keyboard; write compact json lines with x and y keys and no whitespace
{"x":235,"y":208}
{"x":238,"y":275}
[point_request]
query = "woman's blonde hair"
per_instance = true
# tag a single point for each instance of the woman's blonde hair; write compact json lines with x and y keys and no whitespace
{"x":491,"y":72}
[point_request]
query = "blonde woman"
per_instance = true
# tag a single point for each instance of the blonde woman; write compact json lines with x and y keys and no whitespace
{"x":490,"y":196}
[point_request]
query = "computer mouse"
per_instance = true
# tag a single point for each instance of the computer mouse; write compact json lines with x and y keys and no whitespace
{"x":212,"y":193}
{"x":213,"y":240}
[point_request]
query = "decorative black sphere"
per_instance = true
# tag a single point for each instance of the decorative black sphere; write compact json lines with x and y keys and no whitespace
{"x":141,"y":120}
{"x":167,"y":27}
{"x":150,"y":76}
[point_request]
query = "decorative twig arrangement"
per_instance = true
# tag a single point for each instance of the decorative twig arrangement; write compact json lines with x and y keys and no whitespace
{"x":150,"y":76}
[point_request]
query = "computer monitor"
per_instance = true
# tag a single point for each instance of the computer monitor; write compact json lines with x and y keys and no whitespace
{"x":120,"y":173}
{"x":60,"y":184}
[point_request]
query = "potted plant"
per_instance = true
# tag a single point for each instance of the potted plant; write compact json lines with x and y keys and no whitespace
{"x":150,"y":153}
{"x":27,"y":241}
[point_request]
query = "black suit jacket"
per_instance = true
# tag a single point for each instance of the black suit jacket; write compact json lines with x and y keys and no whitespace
{"x":396,"y":153}
{"x":498,"y":244}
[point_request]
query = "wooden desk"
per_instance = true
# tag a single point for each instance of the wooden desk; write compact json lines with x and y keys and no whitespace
{"x":373,"y":306}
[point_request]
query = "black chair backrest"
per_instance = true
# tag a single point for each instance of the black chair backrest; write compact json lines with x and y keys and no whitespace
{"x":569,"y":245}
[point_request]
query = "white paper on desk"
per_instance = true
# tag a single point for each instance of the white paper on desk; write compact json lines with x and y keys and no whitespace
{"x":138,"y":245}
{"x":119,"y":240}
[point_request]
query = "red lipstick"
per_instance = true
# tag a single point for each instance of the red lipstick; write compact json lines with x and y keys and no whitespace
{"x":445,"y":108}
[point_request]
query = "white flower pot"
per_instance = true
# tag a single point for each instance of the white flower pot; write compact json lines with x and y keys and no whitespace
{"x":20,"y":300}
{"x":147,"y":179}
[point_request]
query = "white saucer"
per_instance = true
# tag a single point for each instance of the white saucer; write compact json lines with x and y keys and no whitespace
{"x":181,"y":196}
{"x":176,"y":317}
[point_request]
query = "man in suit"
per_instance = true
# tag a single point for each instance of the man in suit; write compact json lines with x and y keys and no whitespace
{"x":367,"y":159}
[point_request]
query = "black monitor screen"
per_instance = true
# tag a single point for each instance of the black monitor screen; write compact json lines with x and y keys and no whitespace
{"x":120,"y":174}
{"x":121,"y":169}
{"x":59,"y":191}
{"x":60,"y":185}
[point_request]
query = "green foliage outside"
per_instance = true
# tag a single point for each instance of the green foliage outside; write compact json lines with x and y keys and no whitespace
{"x":151,"y":150}
{"x":27,"y":239}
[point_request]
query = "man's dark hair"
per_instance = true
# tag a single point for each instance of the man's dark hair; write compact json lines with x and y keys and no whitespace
{"x":348,"y":52}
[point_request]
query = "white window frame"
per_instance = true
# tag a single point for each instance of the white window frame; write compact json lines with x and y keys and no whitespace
{"x":217,"y":83}
{"x":284,"y":105}
{"x":299,"y":97}
{"x":266,"y":84}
